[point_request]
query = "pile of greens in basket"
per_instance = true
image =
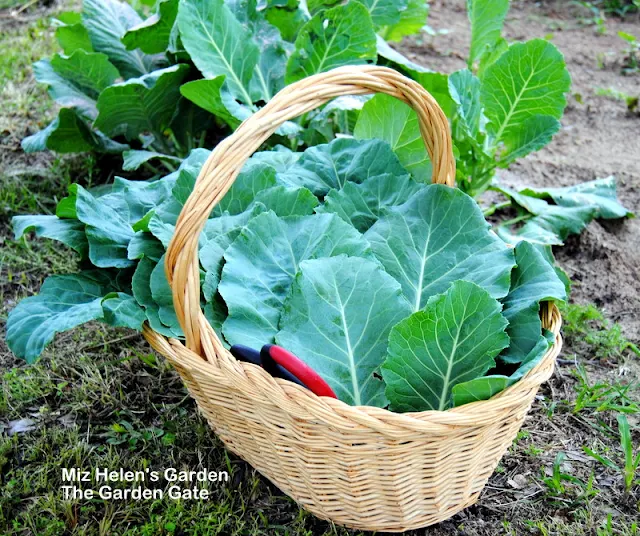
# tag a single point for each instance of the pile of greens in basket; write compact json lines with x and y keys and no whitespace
{"x":396,"y":291}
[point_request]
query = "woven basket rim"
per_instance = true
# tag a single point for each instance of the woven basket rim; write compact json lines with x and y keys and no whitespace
{"x":257,"y":382}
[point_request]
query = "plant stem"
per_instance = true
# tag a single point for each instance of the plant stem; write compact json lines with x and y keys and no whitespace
{"x":494,"y":208}
{"x":513,"y":221}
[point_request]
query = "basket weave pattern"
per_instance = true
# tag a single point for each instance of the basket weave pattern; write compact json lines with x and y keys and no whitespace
{"x":363,"y":467}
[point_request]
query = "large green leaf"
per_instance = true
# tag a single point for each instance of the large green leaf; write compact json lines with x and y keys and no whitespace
{"x":384,"y":12}
{"x":108,"y":229}
{"x":141,"y":286}
{"x":454,"y":339}
{"x":268,"y":77}
{"x":132,"y":160}
{"x":363,"y":204}
{"x":140,"y":105}
{"x":218,"y":234}
{"x":207,"y":93}
{"x":485,"y":387}
{"x":533,"y":281}
{"x":337,"y":318}
{"x":243,"y":191}
{"x":218,"y":44}
{"x":535,"y":133}
{"x":89,"y":72}
{"x":262,"y":262}
{"x":64,"y":302}
{"x":486,"y":18}
{"x":328,"y":166}
{"x":287,"y":16}
{"x":550,"y":220}
{"x":152,"y":35}
{"x":412,"y":19}
{"x":437,"y":237}
{"x":340,"y":36}
{"x":529,"y":79}
{"x":69,"y":133}
{"x":70,"y":232}
{"x":122,"y":310}
{"x":64,"y":91}
{"x":71,"y":34}
{"x":106,"y":22}
{"x":288,"y":201}
{"x":599,"y":193}
{"x":386,"y":118}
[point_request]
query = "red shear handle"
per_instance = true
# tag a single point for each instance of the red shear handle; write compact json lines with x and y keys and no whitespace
{"x":301,"y":370}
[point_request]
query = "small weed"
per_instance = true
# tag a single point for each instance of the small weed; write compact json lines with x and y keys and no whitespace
{"x":631,"y":62}
{"x":631,"y":461}
{"x":596,"y":16}
{"x":586,"y":323}
{"x":619,"y":8}
{"x":603,"y":396}
{"x":557,"y":484}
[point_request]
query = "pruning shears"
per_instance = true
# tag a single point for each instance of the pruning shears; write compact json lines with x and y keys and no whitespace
{"x":281,"y":363}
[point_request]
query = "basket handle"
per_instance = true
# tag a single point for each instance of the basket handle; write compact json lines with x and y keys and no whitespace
{"x":226,"y":161}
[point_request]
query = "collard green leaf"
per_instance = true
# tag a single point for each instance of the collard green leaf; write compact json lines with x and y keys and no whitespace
{"x":288,"y":18}
{"x":486,"y":18}
{"x":412,"y":19}
{"x":144,"y":244}
{"x":453,"y":340}
{"x":485,"y":387}
{"x":64,"y":91}
{"x":132,"y":160}
{"x":288,"y":201}
{"x":218,"y":234}
{"x":69,"y":232}
{"x":141,"y":286}
{"x":244,"y":189}
{"x":561,"y":221}
{"x":162,"y":296}
{"x":262,"y":262}
{"x":152,"y":35}
{"x":89,"y":72}
{"x":535,"y":133}
{"x":384,"y":12}
{"x":206,"y":93}
{"x":122,"y":310}
{"x":328,"y":166}
{"x":437,"y":237}
{"x":465,"y":91}
{"x":340,"y":36}
{"x":386,"y":118}
{"x":64,"y":302}
{"x":599,"y":193}
{"x":106,"y":22}
{"x":363,"y":204}
{"x":107,"y":228}
{"x":529,"y":79}
{"x":533,"y":281}
{"x":337,"y":317}
{"x":268,"y":76}
{"x":71,"y":34}
{"x":218,"y":44}
{"x":69,"y":133}
{"x":140,"y":105}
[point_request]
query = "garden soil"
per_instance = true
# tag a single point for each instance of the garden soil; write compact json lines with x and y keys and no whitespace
{"x":599,"y":137}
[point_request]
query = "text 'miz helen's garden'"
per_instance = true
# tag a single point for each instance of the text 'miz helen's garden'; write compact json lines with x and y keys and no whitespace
{"x":320,"y":267}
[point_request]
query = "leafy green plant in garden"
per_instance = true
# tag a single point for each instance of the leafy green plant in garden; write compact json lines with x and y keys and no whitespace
{"x":187,"y":75}
{"x":292,"y":245}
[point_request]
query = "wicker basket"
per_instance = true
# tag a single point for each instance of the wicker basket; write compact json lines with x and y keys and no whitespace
{"x":363,"y":467}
